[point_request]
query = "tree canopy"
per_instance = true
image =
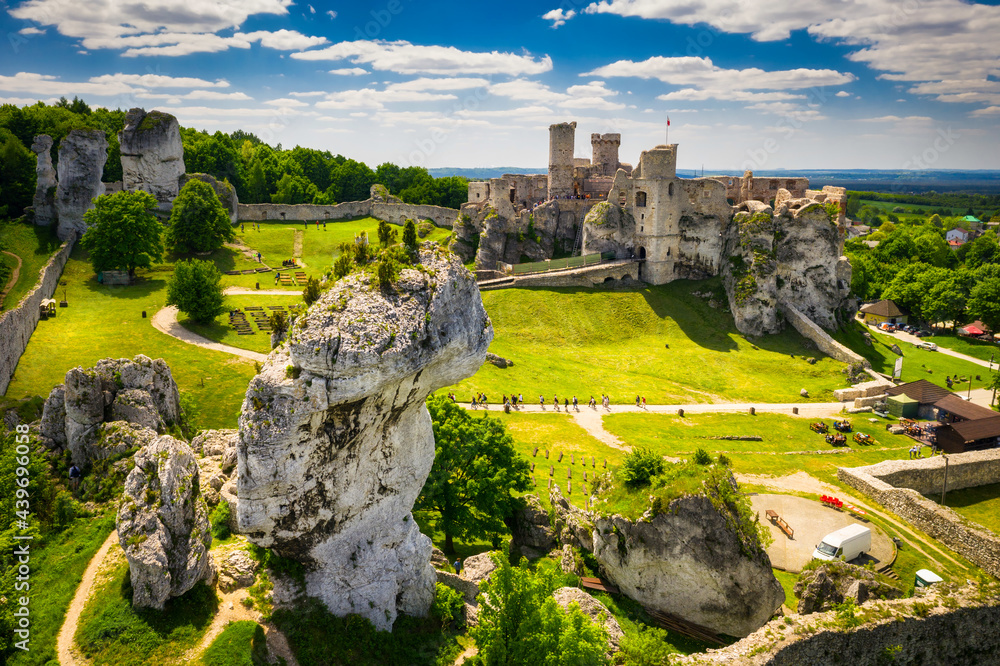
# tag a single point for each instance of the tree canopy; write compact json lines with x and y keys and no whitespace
{"x":475,"y":471}
{"x":196,"y":290}
{"x":122,"y":233}
{"x":198,"y":222}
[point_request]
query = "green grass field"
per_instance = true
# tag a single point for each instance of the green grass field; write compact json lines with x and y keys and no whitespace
{"x":980,"y":504}
{"x":105,"y":322}
{"x":34,"y":245}
{"x":659,"y":342}
{"x":980,"y":349}
{"x":240,"y":644}
{"x":220,"y":331}
{"x":57,"y":568}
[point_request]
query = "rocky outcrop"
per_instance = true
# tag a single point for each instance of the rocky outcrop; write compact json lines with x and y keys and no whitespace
{"x":832,"y":583}
{"x":118,"y":437}
{"x":477,"y":568}
{"x":595,"y":610}
{"x":141,"y":391}
{"x":379,"y":193}
{"x":223,"y":190}
{"x":609,"y":228}
{"x":572,"y":526}
{"x":498,"y":361}
{"x":336,"y":442}
{"x":82,"y":154}
{"x":688,"y":561}
{"x":45,"y":182}
{"x":163,"y":524}
{"x":152,"y":154}
{"x":788,"y":255}
{"x":493,"y":235}
{"x":236,"y":568}
{"x":531,"y":533}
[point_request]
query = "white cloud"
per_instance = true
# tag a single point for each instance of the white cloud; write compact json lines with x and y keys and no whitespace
{"x":369,"y":98}
{"x":593,"y":95}
{"x":558,"y":16}
{"x":26,"y":101}
{"x":951,"y":43}
{"x":198,"y":94}
{"x":45,"y":85}
{"x":312,"y":10}
{"x":348,"y":71}
{"x":286,"y":102}
{"x":451,"y":83}
{"x":31,"y":31}
{"x":523,"y":89}
{"x":695,"y":95}
{"x":311,"y":93}
{"x":282,"y":40}
{"x":843,"y":93}
{"x":332,"y":14}
{"x":403,"y":57}
{"x":988,"y":111}
{"x":159,"y":81}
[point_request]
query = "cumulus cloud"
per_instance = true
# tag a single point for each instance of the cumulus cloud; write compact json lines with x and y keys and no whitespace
{"x":369,"y":98}
{"x":949,"y":43}
{"x":348,"y":71}
{"x":843,"y":93}
{"x":198,"y":94}
{"x":286,"y":102}
{"x":31,"y":31}
{"x":332,"y":14}
{"x":159,"y":81}
{"x":450,"y":83}
{"x":593,"y":95}
{"x":402,"y":57}
{"x":558,"y":16}
{"x":45,"y":85}
{"x":988,"y":111}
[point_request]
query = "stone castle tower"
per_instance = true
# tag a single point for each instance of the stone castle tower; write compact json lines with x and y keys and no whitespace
{"x":657,"y":204}
{"x":605,"y":155}
{"x":562,"y":138}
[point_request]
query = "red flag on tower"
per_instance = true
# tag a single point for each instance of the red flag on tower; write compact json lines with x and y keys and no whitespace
{"x":668,"y":121}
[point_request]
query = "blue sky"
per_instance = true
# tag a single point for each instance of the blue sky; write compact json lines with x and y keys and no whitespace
{"x":746,"y":83}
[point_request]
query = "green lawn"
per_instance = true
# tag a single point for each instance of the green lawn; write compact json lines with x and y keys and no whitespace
{"x":788,"y":581}
{"x":105,"y":322}
{"x":57,"y":568}
{"x":659,"y":342}
{"x":240,"y":644}
{"x":113,"y":633}
{"x":917,"y":363}
{"x":220,"y":331}
{"x":980,"y":504}
{"x":980,"y":349}
{"x":34,"y":245}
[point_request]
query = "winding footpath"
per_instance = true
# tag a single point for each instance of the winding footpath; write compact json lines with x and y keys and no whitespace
{"x":68,"y":654}
{"x":165,"y":321}
{"x":13,"y":276}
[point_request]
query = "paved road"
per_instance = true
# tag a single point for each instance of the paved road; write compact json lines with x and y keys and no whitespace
{"x":806,"y":409}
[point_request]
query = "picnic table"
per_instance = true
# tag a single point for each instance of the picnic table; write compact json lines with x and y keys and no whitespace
{"x":780,"y":523}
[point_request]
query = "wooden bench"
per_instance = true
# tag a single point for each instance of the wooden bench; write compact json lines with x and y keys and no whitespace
{"x":599,"y":585}
{"x":780,"y":523}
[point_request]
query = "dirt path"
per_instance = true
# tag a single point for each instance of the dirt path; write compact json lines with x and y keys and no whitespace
{"x":469,"y":652}
{"x":165,"y":321}
{"x":13,"y":276}
{"x":297,"y":247}
{"x":68,"y":655}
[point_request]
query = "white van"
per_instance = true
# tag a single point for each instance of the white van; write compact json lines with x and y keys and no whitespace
{"x":845,"y":544}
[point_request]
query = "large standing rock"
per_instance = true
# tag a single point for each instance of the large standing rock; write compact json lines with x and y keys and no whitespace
{"x":595,"y":610}
{"x":687,"y":561}
{"x":572,"y":526}
{"x":118,"y":437}
{"x":608,"y":228}
{"x":82,"y":154}
{"x":152,"y":154}
{"x":336,"y":442}
{"x":140,"y":391}
{"x":45,"y":182}
{"x":831,"y":583}
{"x":163,"y":524}
{"x":530,"y":528}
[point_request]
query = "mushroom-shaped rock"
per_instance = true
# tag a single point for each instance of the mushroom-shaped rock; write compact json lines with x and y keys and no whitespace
{"x":152,"y":154}
{"x":163,"y":524}
{"x":336,"y":442}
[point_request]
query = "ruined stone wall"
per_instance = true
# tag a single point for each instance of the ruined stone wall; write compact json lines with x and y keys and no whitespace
{"x":396,"y":213}
{"x":748,"y":186}
{"x":811,"y":331}
{"x":17,"y":325}
{"x":965,"y":470}
{"x":592,"y":276}
{"x":562,"y":137}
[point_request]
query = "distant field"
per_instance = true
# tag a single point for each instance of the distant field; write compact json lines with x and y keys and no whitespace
{"x":34,"y":245}
{"x":663,"y":343}
{"x":981,"y":504}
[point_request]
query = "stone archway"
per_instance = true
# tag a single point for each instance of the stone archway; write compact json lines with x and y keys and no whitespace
{"x":642,"y":253}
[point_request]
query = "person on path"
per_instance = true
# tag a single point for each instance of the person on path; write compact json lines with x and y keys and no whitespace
{"x":458,"y":568}
{"x":637,"y":401}
{"x":576,"y":404}
{"x":305,"y":224}
{"x":592,"y":404}
{"x":74,"y":477}
{"x":644,"y":402}
{"x":242,"y":227}
{"x":520,"y":398}
{"x":473,"y":405}
{"x":541,"y":401}
{"x":566,"y":403}
{"x":555,"y":401}
{"x":324,"y":225}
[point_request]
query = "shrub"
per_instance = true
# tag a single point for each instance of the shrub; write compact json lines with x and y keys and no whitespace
{"x":387,"y":272}
{"x":410,"y":235}
{"x":196,"y":290}
{"x":701,"y":457}
{"x":724,"y":460}
{"x":639,"y":466}
{"x":220,"y":521}
{"x":447,"y":604}
{"x":311,"y":293}
{"x":343,"y":264}
{"x":386,"y":235}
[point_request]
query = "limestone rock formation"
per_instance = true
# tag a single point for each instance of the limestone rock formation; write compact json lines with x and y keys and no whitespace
{"x":119,"y":437}
{"x":477,"y":568}
{"x":82,"y":154}
{"x":152,"y":154}
{"x":236,"y":568}
{"x":141,"y":391}
{"x":832,"y":583}
{"x":572,"y":526}
{"x":498,"y":361}
{"x":211,"y":443}
{"x":45,"y":182}
{"x":687,"y":561}
{"x":595,"y":610}
{"x":531,"y":534}
{"x":379,"y":193}
{"x":226,"y":192}
{"x":163,"y":524}
{"x":609,"y":228}
{"x":336,"y":442}
{"x":492,"y":235}
{"x":789,"y":255}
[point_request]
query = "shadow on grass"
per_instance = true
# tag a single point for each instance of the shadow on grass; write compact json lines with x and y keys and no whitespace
{"x":970,"y":496}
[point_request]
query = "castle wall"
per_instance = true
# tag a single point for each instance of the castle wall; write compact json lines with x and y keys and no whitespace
{"x":748,"y":186}
{"x":562,"y":137}
{"x":17,"y":325}
{"x":396,"y":213}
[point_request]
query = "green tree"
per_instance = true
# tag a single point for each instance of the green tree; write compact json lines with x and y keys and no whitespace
{"x":984,"y":250}
{"x":122,"y":233}
{"x":312,"y":292}
{"x":292,"y":190}
{"x":995,"y":385}
{"x":196,"y":290}
{"x":386,"y":234}
{"x":410,"y":235}
{"x":198,"y":222}
{"x":520,"y":623}
{"x":17,"y":174}
{"x":945,"y":301}
{"x":475,"y":472}
{"x":984,"y":302}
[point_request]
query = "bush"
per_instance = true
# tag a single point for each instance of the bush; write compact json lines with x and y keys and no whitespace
{"x":724,"y":460}
{"x":701,"y":457}
{"x":386,"y":235}
{"x":241,"y":643}
{"x":388,"y":271}
{"x":410,"y":235}
{"x":196,"y":290}
{"x":220,"y":521}
{"x":448,"y":604}
{"x":311,"y":293}
{"x":649,"y":646}
{"x":639,"y":466}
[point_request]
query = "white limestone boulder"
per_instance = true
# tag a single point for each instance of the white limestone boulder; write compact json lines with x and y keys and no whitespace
{"x":336,"y":442}
{"x":82,"y":155}
{"x":44,"y":201}
{"x":152,"y":154}
{"x":595,"y":610}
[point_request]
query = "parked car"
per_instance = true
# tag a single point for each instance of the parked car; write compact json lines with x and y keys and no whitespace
{"x":923,"y":334}
{"x":930,"y":346}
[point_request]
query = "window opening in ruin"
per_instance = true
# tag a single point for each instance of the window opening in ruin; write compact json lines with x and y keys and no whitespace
{"x":282,"y":216}
{"x":512,"y":193}
{"x":641,"y":228}
{"x":621,"y":198}
{"x":670,"y":189}
{"x":772,"y":185}
{"x":640,"y":199}
{"x":642,"y":253}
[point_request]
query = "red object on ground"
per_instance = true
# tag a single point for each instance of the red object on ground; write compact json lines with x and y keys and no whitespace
{"x":973,"y":330}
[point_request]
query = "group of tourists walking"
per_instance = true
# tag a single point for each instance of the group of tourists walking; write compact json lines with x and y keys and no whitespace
{"x":515,"y":400}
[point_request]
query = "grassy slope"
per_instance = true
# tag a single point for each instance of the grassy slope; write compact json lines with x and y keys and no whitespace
{"x":106,"y":321}
{"x":34,"y":245}
{"x":980,"y":504}
{"x":240,"y":644}
{"x":220,"y":331}
{"x":593,"y":341}
{"x":917,"y":363}
{"x":980,"y":349}
{"x":57,"y":568}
